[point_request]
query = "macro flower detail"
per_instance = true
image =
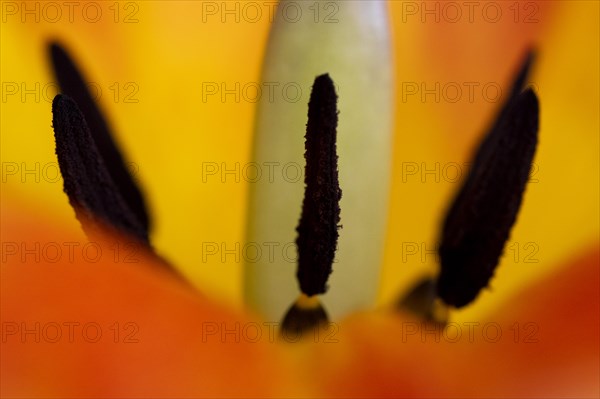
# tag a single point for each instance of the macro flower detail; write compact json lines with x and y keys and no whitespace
{"x":467,"y":265}
{"x":99,"y":187}
{"x":478,"y":223}
{"x":73,"y":84}
{"x":473,"y":236}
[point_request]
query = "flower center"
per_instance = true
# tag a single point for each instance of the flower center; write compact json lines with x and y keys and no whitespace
{"x":474,"y":232}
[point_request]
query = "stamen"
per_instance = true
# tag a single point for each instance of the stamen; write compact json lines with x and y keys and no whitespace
{"x":72,"y":84}
{"x":319,"y":222}
{"x":87,"y":182}
{"x":479,"y":221}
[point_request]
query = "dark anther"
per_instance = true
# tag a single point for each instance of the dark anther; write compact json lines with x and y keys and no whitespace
{"x":319,"y":223}
{"x":87,"y":182}
{"x":72,"y":84}
{"x":479,"y":221}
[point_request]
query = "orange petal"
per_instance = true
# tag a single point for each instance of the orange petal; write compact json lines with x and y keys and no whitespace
{"x":74,"y":326}
{"x":544,"y":343}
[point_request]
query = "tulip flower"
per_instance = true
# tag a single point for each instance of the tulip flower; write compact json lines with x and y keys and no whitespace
{"x":108,"y":316}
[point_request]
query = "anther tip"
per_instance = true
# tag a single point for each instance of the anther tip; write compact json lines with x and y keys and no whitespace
{"x":520,"y":80}
{"x":324,"y":79}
